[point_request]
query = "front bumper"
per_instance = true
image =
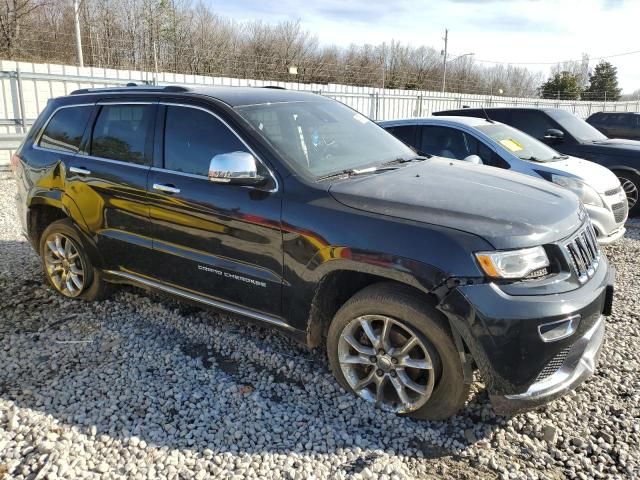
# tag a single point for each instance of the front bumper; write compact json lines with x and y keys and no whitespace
{"x":521,"y":370}
{"x":604,"y":221}
{"x":579,"y":364}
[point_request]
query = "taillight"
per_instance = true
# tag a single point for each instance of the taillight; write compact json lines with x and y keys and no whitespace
{"x":14,"y":162}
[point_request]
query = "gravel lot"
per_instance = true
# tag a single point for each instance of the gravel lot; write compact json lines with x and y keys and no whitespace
{"x":141,"y":386}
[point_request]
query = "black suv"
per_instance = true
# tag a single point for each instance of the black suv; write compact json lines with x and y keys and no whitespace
{"x":295,"y":211}
{"x":617,"y":124}
{"x":573,"y":136}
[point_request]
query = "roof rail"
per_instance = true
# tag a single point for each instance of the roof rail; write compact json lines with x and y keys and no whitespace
{"x":274,"y":87}
{"x":132,"y":87}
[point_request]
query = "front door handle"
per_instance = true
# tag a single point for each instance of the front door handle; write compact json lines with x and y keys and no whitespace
{"x":166,"y":188}
{"x":80,"y":171}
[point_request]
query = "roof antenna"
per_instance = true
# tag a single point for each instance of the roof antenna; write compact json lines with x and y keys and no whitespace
{"x":486,"y":115}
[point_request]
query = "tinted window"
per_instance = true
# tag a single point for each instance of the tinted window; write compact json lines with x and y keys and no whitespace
{"x":532,"y":122}
{"x":192,"y":137}
{"x":64,"y":131}
{"x":120,"y":132}
{"x":576,"y":127}
{"x":447,"y":142}
{"x":406,"y":133}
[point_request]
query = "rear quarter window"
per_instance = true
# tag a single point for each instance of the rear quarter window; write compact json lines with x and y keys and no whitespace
{"x":65,"y":129}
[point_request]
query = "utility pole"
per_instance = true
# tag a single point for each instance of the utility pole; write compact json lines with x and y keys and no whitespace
{"x":76,"y":14}
{"x":444,"y":63}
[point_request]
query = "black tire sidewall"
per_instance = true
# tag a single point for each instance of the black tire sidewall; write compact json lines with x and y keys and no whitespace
{"x":450,"y":391}
{"x":94,"y":283}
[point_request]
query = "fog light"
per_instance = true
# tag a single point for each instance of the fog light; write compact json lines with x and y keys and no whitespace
{"x":559,"y":329}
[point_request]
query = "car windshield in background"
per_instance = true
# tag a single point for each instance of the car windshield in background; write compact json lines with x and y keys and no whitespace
{"x":578,"y":128}
{"x":324,"y":137}
{"x":519,"y":143}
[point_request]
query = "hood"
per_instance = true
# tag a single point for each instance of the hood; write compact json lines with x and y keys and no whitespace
{"x":509,"y":210}
{"x":596,"y":176}
{"x":619,"y":146}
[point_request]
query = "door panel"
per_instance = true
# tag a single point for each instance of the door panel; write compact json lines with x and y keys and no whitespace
{"x":222,"y":241}
{"x":108,"y":182}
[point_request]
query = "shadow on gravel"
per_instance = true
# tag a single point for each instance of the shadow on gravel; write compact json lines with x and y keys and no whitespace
{"x":145,"y":369}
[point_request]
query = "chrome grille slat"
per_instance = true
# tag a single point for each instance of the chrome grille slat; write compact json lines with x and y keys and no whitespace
{"x":583,"y":252}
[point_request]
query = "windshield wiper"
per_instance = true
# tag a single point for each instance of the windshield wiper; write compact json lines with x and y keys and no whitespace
{"x":560,"y":157}
{"x":396,"y":161}
{"x":352,"y":172}
{"x":531,"y":159}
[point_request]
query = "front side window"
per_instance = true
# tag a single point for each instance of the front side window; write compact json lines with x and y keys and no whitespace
{"x":447,"y":142}
{"x":65,"y":129}
{"x":576,"y":127}
{"x":406,"y":133}
{"x":533,"y":122}
{"x":324,"y":137}
{"x":193,"y":137}
{"x":120,"y":133}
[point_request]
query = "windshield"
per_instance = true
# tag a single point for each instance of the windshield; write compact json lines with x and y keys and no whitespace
{"x":519,"y":143}
{"x":324,"y":137}
{"x":577,"y":128}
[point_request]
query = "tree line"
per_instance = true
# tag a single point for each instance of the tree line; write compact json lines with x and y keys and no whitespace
{"x":183,"y":37}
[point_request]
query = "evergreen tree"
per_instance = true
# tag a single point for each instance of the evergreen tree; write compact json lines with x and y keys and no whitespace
{"x":603,"y":83}
{"x":563,"y":86}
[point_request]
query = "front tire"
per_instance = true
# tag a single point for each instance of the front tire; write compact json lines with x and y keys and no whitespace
{"x":391,"y":348}
{"x":66,"y":265}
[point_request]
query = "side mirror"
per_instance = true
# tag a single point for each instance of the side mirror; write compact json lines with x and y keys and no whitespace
{"x":475,"y":159}
{"x":238,"y":168}
{"x":554,"y":134}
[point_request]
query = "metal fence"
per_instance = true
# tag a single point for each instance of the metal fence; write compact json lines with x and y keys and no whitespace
{"x":26,"y":88}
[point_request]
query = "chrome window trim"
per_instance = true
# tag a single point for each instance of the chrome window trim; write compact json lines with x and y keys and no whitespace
{"x":36,"y":143}
{"x":202,"y":299}
{"x":232,"y":130}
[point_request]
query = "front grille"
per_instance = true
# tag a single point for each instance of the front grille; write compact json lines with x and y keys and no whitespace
{"x":554,"y":365}
{"x":612,"y":192}
{"x":583,"y":252}
{"x":619,"y":211}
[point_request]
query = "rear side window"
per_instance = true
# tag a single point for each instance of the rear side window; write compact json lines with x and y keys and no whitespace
{"x":193,"y":137}
{"x":65,"y":129}
{"x":532,"y":122}
{"x":121,"y":131}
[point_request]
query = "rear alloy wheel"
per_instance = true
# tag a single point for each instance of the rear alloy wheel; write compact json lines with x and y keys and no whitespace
{"x":64,"y":265}
{"x":386,"y":363}
{"x":390,"y":347}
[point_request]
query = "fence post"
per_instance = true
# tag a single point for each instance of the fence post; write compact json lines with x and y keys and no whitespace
{"x":372,"y":106}
{"x":23,"y":120}
{"x":418,"y":111}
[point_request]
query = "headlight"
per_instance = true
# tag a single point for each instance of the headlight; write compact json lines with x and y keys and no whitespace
{"x":585,"y":193}
{"x":513,"y":263}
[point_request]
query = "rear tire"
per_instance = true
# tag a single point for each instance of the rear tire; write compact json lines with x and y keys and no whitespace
{"x":436,"y":393}
{"x":631,"y":185}
{"x":66,"y":265}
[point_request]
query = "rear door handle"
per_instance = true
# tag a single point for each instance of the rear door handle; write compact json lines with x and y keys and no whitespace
{"x":80,"y":171}
{"x":166,"y":188}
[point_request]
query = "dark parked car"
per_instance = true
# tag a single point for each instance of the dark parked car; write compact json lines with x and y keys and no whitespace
{"x":295,"y":211}
{"x":617,"y":124}
{"x":570,"y":135}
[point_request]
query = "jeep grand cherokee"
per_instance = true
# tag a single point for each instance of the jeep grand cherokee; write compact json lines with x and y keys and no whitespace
{"x":295,"y":211}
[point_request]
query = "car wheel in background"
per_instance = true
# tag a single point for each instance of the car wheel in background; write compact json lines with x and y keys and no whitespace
{"x":631,"y":185}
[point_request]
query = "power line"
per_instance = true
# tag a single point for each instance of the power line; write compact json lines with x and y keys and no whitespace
{"x":615,"y":55}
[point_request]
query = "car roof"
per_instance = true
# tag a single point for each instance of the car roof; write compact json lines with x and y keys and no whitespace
{"x":489,"y":109}
{"x":233,"y":96}
{"x":469,"y":121}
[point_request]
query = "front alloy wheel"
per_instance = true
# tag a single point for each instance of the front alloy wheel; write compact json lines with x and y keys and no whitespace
{"x":386,"y":363}
{"x":630,"y":190}
{"x":63,"y":264}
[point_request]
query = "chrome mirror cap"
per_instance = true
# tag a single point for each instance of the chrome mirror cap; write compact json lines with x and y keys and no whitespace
{"x":235,"y":168}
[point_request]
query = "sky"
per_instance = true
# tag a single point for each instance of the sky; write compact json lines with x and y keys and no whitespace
{"x":509,"y":31}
